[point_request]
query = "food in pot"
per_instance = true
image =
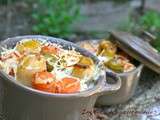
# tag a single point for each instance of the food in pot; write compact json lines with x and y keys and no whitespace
{"x":119,"y":64}
{"x":28,"y":66}
{"x":85,"y":67}
{"x":28,"y":46}
{"x":113,"y":58}
{"x":106,"y":49}
{"x":89,"y":46}
{"x":48,"y":67}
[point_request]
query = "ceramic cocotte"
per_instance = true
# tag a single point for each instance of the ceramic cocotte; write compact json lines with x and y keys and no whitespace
{"x":19,"y":102}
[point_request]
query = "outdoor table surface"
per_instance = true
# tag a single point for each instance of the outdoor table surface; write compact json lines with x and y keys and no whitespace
{"x":144,"y":105}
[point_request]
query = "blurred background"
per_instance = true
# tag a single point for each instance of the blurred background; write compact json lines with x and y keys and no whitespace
{"x":78,"y":19}
{"x":75,"y":19}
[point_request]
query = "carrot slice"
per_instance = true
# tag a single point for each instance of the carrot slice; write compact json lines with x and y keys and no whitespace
{"x":44,"y":81}
{"x":69,"y":85}
{"x":50,"y":49}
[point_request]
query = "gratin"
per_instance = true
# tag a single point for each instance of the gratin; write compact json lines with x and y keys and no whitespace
{"x":48,"y":66}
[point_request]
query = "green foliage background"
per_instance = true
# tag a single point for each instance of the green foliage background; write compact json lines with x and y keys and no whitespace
{"x":55,"y":17}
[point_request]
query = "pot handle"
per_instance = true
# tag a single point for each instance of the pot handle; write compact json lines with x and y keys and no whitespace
{"x":108,"y":87}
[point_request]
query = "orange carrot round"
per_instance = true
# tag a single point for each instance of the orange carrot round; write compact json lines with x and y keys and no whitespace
{"x":44,"y":81}
{"x":69,"y":85}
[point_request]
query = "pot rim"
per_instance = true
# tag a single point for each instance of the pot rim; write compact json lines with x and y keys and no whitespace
{"x":96,"y":89}
{"x":139,"y":67}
